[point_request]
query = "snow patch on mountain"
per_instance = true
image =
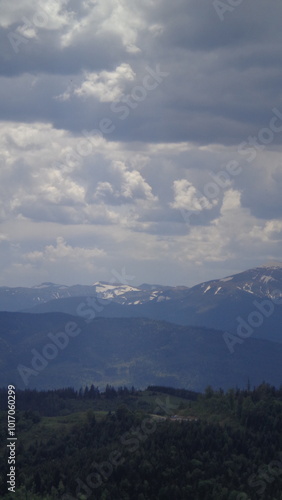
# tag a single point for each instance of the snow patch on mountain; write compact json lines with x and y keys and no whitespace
{"x":108,"y":291}
{"x":266,"y":279}
{"x":161,"y":298}
{"x":247,"y":288}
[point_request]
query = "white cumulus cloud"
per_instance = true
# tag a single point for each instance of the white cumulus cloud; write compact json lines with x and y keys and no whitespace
{"x":187,"y":197}
{"x":106,"y":86}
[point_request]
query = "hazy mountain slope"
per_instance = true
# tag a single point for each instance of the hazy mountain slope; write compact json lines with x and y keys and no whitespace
{"x":254,"y":295}
{"x":126,"y":352}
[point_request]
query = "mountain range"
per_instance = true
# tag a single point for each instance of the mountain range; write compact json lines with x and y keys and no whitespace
{"x":222,"y":332}
{"x":223,"y":304}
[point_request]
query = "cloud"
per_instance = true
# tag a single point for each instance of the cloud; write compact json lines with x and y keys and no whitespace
{"x":106,"y":86}
{"x":3,"y":237}
{"x":180,"y":91}
{"x":110,"y":17}
{"x":269,"y":232}
{"x":65,"y":253}
{"x":132,"y":184}
{"x":56,"y":183}
{"x":30,"y":14}
{"x":187,"y":197}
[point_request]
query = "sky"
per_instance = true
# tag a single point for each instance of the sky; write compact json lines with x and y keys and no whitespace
{"x":139,"y":138}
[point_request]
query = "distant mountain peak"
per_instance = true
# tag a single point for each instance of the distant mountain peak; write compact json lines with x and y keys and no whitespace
{"x":47,"y":284}
{"x":272,"y":265}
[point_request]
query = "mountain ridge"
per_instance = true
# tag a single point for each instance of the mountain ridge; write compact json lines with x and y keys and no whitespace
{"x":55,"y":350}
{"x":214,"y":304}
{"x":20,"y":298}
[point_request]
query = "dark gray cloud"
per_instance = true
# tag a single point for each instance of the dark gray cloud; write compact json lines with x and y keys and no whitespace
{"x":139,"y":134}
{"x":223,"y":76}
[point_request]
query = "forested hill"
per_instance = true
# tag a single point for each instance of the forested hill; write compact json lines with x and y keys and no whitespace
{"x":55,"y":350}
{"x":158,"y":444}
